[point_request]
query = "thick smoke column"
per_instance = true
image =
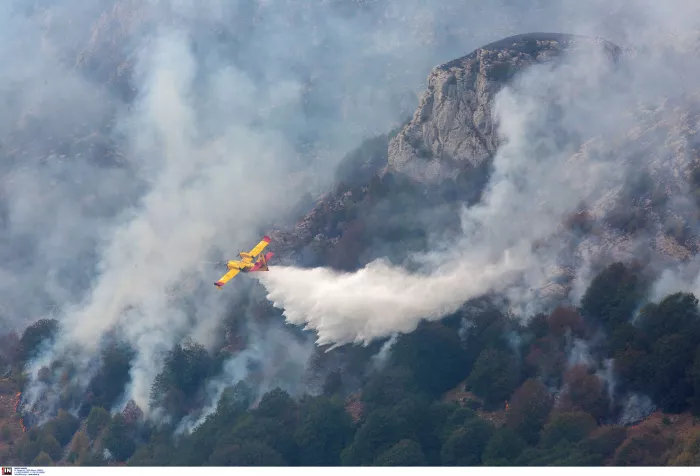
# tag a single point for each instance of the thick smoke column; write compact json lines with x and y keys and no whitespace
{"x":163,"y":242}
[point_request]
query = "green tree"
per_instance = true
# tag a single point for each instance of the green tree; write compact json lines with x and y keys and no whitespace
{"x":435,"y":356}
{"x":487,"y":329}
{"x":119,"y":439}
{"x":676,"y":314}
{"x":671,"y":359}
{"x":569,"y":426}
{"x":29,"y":446}
{"x":612,"y":296}
{"x":494,"y":377}
{"x":186,"y":368}
{"x":50,"y":446}
{"x":432,"y":441}
{"x":158,"y":451}
{"x":34,"y":442}
{"x":563,"y":454}
{"x":528,"y":410}
{"x":42,"y":459}
{"x":97,"y":420}
{"x":333,"y":383}
{"x":457,"y":419}
{"x":547,"y":360}
{"x":63,"y":427}
{"x":234,"y":400}
{"x":196,"y":448}
{"x":693,"y":378}
{"x":270,"y":431}
{"x":247,"y":453}
{"x":503,"y":448}
{"x":626,"y":336}
{"x":388,"y":387}
{"x":404,"y":453}
{"x":605,"y":440}
{"x":79,"y":448}
{"x":109,"y":383}
{"x":325,"y":428}
{"x":380,"y":431}
{"x":466,"y":445}
{"x":633,"y":369}
{"x":36,"y":335}
{"x":423,"y":422}
{"x":279,"y":405}
{"x":538,"y":326}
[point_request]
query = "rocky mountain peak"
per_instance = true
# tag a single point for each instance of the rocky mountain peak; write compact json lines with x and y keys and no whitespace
{"x":453,"y":129}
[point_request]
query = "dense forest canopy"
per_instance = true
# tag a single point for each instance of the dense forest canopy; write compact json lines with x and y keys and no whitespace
{"x":480,"y":387}
{"x":446,"y":394}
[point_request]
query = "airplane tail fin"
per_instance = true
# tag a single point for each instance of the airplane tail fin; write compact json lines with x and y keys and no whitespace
{"x":261,"y":265}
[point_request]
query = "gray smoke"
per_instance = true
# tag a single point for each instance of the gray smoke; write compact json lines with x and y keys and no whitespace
{"x":568,"y":137}
{"x":509,"y":239}
{"x":139,"y":139}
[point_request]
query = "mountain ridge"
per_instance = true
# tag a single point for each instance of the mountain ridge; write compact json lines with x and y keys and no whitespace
{"x":391,"y":208}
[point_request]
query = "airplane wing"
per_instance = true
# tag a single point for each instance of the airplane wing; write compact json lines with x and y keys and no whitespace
{"x":226,"y":277}
{"x":259,"y":247}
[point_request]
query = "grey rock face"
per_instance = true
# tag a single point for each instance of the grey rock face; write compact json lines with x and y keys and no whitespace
{"x":453,"y":129}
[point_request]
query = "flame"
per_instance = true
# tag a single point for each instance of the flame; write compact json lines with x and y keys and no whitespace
{"x":18,"y":399}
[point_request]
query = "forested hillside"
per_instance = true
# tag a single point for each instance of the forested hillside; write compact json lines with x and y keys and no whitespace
{"x":450,"y":393}
{"x":494,"y":266}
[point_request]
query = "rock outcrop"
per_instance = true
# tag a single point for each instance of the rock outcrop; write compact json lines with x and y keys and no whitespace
{"x":453,"y":129}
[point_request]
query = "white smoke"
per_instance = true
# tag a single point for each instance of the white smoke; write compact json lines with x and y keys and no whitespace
{"x":505,"y":247}
{"x":143,"y":260}
{"x":215,"y":122}
{"x":379,"y":360}
{"x":282,"y":362}
{"x":580,"y":354}
{"x":636,"y":408}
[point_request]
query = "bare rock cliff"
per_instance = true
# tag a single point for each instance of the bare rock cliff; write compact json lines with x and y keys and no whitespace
{"x":453,"y":130}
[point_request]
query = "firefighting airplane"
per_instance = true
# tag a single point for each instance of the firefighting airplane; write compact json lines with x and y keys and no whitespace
{"x":247,"y":264}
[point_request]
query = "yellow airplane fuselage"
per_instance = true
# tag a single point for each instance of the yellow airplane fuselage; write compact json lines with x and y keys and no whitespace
{"x":248,"y":262}
{"x":239,"y":264}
